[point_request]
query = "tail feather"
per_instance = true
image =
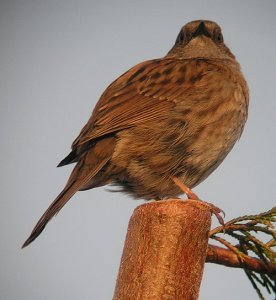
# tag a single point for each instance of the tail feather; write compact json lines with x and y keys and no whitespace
{"x":87,"y":167}
{"x":74,"y":184}
{"x":53,"y":209}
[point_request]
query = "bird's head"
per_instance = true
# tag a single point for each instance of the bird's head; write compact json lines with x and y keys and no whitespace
{"x":200,"y":39}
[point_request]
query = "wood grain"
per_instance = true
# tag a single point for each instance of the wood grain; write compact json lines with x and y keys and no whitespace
{"x":165,"y":251}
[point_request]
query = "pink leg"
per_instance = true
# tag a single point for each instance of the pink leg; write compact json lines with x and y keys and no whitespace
{"x":192,"y":196}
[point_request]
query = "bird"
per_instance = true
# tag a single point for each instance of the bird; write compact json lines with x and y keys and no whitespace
{"x":163,"y":126}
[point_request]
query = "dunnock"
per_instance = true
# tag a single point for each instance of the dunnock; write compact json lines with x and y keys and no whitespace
{"x":165,"y":121}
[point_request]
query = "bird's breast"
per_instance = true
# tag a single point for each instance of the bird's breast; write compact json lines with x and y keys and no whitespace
{"x":214,"y":123}
{"x":189,"y":140}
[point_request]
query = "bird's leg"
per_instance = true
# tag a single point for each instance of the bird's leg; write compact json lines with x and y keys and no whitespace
{"x":192,"y":196}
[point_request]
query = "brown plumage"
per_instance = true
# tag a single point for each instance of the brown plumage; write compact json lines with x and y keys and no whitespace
{"x":177,"y":116}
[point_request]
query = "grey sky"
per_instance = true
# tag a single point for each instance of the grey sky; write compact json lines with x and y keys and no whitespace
{"x":56,"y":59}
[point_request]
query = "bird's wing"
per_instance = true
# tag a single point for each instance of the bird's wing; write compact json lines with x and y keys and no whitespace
{"x":146,"y":92}
{"x":143,"y":93}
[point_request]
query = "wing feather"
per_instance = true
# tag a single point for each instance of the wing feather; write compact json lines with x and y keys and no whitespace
{"x":148,"y":91}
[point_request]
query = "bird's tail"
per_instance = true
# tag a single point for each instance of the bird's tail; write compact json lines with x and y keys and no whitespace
{"x":83,"y":172}
{"x":53,"y":209}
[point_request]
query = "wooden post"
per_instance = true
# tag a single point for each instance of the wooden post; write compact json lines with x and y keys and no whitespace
{"x":165,"y":251}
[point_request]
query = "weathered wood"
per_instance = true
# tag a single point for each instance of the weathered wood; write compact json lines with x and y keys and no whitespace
{"x":165,"y":251}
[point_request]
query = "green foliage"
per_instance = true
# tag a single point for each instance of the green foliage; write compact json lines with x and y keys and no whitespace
{"x":248,"y":232}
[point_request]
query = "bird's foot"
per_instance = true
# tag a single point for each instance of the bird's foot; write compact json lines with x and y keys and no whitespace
{"x":217,"y":212}
{"x":192,"y":196}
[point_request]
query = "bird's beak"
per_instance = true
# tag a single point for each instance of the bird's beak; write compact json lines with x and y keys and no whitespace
{"x":201,"y":30}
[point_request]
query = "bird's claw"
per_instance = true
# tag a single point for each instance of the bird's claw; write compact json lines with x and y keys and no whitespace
{"x":217,"y":212}
{"x":192,"y":196}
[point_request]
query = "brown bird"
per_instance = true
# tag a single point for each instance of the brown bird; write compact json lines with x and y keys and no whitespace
{"x":163,"y":122}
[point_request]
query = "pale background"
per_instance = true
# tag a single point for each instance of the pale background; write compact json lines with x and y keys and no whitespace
{"x":56,"y":58}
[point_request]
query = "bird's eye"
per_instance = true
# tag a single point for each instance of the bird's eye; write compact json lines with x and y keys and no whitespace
{"x":218,"y":37}
{"x":180,"y":39}
{"x":183,"y":38}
